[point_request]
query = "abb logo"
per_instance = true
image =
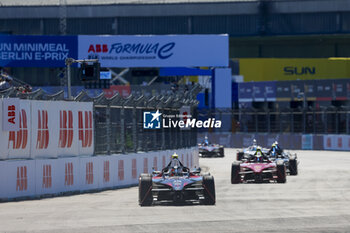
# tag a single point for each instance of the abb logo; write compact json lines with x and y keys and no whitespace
{"x":89,"y":173}
{"x":19,"y":139}
{"x":98,"y":48}
{"x":155,"y":161}
{"x":11,"y":113}
{"x":121,"y":169}
{"x":329,"y":142}
{"x":66,"y":129}
{"x":106,"y":171}
{"x":340,"y":142}
{"x":85,"y":130}
{"x":133,"y":169}
{"x":22,"y":179}
{"x":47,"y":179}
{"x":145,"y":165}
{"x":68,"y":178}
{"x":43,"y":131}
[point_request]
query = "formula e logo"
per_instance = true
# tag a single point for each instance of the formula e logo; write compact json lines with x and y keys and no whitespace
{"x":152,"y":120}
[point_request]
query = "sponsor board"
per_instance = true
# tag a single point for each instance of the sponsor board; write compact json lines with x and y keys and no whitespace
{"x":159,"y":51}
{"x":36,"y":51}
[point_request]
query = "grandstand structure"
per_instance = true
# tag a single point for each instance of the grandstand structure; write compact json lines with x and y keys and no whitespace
{"x":258,"y":28}
{"x":306,"y":42}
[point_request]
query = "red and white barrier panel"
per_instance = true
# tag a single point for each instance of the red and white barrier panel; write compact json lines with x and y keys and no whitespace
{"x":45,"y":129}
{"x":26,"y":178}
{"x":336,"y":142}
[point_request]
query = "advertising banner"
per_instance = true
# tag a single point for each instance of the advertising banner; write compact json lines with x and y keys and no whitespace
{"x":336,"y":142}
{"x":10,"y":114}
{"x":283,"y":91}
{"x":17,"y":178}
{"x":324,"y":90}
{"x":18,"y":141}
{"x":341,"y":89}
{"x":282,"y":69}
{"x":245,"y":92}
{"x":36,"y":51}
{"x":61,"y":128}
{"x":155,"y":51}
{"x":307,"y":142}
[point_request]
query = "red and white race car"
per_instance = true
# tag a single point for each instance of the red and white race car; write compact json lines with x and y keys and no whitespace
{"x":258,"y":171}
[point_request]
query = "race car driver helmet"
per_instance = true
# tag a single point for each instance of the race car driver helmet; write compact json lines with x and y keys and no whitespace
{"x":206,"y":141}
{"x":254,"y":142}
{"x":258,"y":154}
{"x":174,"y":156}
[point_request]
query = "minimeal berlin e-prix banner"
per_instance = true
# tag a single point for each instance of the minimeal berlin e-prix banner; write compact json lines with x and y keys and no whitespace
{"x":36,"y":51}
{"x":156,"y":51}
{"x":115,"y":51}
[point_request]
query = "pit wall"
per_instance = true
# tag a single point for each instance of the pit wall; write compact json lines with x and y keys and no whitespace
{"x":288,"y":141}
{"x":51,"y":177}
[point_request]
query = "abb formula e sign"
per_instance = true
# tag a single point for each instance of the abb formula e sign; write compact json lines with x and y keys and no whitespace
{"x":156,"y":51}
{"x":116,"y":51}
{"x":47,"y":129}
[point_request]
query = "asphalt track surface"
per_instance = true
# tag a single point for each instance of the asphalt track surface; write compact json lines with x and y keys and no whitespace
{"x":317,"y":200}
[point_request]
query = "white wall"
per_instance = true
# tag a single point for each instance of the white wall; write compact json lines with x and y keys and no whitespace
{"x":29,"y":178}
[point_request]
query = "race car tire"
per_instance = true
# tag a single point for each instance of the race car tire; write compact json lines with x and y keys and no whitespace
{"x":240,"y":156}
{"x":145,"y":190}
{"x":235,"y":169}
{"x":293,"y":166}
{"x":281,"y":172}
{"x":221,"y":152}
{"x":209,"y":190}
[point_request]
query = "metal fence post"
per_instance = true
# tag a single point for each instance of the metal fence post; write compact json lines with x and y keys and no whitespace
{"x":347,"y":122}
{"x":122,"y":128}
{"x":163,"y":135}
{"x":325,"y":122}
{"x":314,"y":121}
{"x":134,"y":129}
{"x":292,"y":121}
{"x":95,"y":131}
{"x":304,"y":120}
{"x":336,"y":121}
{"x":268,"y":121}
{"x":256,"y":121}
{"x":108,"y":128}
{"x":280,"y":120}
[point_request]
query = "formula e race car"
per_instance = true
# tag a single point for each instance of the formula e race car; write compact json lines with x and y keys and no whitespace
{"x":290,"y":160}
{"x":176,"y":184}
{"x":248,"y":153}
{"x":258,"y":170}
{"x":207,"y":149}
